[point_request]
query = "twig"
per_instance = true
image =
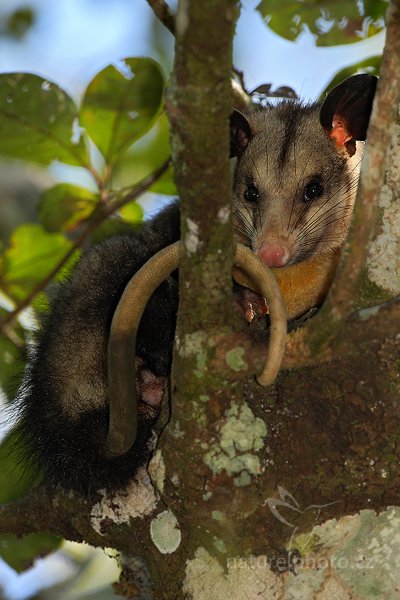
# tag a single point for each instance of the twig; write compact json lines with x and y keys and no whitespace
{"x":141,"y":187}
{"x":98,"y":216}
{"x":163,"y":13}
{"x":35,"y":513}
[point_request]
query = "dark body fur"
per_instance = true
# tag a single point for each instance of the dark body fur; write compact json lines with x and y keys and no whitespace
{"x":280,"y":152}
{"x":68,"y":365}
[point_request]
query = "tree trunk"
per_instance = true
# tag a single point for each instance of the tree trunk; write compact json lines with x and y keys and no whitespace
{"x":250,"y":472}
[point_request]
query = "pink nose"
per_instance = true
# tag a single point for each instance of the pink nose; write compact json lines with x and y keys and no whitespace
{"x":274,"y":254}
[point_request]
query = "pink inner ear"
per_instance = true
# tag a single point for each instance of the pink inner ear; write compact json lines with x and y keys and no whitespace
{"x":339,"y":131}
{"x":241,"y":137}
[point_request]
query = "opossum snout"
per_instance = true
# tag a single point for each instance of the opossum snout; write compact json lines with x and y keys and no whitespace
{"x":274,"y":254}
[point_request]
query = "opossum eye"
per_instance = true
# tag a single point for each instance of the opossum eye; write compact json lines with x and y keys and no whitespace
{"x":313,"y":190}
{"x":251,"y":193}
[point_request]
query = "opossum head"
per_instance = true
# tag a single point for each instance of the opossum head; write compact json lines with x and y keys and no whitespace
{"x":297,"y":171}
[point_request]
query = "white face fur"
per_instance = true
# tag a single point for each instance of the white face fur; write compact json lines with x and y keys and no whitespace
{"x":294,"y":186}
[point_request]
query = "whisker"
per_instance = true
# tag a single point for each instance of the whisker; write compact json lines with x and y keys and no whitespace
{"x":317,"y":219}
{"x":326,"y":225}
{"x":324,"y":221}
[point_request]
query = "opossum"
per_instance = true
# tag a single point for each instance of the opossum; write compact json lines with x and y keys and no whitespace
{"x":294,"y":187}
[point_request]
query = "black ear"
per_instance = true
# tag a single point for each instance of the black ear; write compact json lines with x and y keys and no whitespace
{"x":346,"y":110}
{"x":240,"y":133}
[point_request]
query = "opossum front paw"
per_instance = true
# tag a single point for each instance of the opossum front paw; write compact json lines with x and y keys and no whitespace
{"x":251,"y":305}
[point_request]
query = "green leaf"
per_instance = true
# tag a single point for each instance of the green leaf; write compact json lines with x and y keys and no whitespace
{"x":38,"y":121}
{"x":15,"y":481}
{"x":120,"y":104}
{"x":370,"y":65}
{"x":21,"y":553}
{"x":64,"y":206}
{"x":29,"y":258}
{"x":166,"y":184}
{"x":145,"y":156}
{"x":132,"y":213}
{"x":20,"y":21}
{"x":331,"y":21}
{"x":12,"y":357}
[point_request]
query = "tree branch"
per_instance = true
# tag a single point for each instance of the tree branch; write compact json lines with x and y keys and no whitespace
{"x":96,"y":521}
{"x":98,"y":216}
{"x":241,"y":98}
{"x":35,"y":513}
{"x":325,"y":331}
{"x":359,"y":328}
{"x":344,"y":291}
{"x":163,"y":13}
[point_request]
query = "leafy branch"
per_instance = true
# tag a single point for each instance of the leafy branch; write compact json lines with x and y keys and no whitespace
{"x":100,"y":214}
{"x":119,"y":106}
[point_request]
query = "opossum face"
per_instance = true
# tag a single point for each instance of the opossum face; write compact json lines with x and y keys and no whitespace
{"x":294,"y":186}
{"x":297,"y":172}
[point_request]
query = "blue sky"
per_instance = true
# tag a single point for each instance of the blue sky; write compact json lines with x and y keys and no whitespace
{"x":266,"y":57}
{"x":73,"y":39}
